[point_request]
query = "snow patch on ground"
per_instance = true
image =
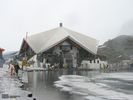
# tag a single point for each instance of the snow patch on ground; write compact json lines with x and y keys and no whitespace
{"x":91,"y":89}
{"x":128,"y":76}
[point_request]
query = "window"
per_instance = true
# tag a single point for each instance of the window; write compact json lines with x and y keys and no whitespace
{"x":65,"y":47}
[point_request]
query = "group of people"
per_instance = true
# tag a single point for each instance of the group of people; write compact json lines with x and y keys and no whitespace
{"x":13,"y":68}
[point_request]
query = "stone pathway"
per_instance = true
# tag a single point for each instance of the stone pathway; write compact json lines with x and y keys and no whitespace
{"x":10,"y":87}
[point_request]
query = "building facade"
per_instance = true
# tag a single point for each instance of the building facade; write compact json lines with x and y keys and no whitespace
{"x":59,"y":46}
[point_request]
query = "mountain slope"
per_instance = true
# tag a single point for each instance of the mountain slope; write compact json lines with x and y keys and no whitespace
{"x":117,"y":49}
{"x":10,"y":55}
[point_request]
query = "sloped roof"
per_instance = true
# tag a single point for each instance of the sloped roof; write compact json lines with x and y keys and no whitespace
{"x":45,"y":40}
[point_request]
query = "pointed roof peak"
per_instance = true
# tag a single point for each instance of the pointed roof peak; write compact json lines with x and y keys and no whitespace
{"x":44,"y":40}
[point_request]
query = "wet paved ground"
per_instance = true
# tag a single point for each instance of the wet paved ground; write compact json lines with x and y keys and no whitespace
{"x":69,"y":85}
{"x":81,"y":85}
{"x":10,"y":86}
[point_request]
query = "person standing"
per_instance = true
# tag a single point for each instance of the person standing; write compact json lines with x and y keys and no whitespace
{"x":11,"y":68}
{"x":16,"y":66}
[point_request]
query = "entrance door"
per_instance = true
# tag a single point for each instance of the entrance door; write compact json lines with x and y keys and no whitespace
{"x":68,"y":59}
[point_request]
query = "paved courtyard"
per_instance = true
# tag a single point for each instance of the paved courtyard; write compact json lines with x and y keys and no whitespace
{"x":10,"y":86}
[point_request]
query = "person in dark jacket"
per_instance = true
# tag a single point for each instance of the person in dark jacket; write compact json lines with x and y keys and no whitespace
{"x":16,"y":66}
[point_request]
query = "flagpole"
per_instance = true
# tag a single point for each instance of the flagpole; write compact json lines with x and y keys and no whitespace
{"x":26,"y":35}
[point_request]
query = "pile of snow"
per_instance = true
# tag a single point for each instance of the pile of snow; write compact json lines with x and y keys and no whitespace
{"x":127,"y":76}
{"x":90,"y":88}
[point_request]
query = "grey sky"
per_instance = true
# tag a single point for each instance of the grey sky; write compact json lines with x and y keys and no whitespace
{"x":101,"y":19}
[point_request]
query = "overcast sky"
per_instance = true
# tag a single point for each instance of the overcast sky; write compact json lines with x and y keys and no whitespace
{"x":100,"y":19}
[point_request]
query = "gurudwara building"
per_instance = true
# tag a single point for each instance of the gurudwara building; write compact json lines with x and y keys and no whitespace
{"x":59,"y":46}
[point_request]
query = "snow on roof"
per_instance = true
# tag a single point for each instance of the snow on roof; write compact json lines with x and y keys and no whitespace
{"x":45,"y":40}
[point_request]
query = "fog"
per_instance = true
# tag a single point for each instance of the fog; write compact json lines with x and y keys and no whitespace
{"x":100,"y":19}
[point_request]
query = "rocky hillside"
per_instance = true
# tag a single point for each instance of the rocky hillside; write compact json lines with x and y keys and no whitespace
{"x":117,"y":49}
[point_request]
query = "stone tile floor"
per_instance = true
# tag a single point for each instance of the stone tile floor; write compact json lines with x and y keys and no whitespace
{"x":10,"y":86}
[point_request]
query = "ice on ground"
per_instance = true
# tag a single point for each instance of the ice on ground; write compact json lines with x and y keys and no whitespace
{"x":128,"y":76}
{"x":93,"y":90}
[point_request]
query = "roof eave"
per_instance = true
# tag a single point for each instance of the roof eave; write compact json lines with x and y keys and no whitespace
{"x":53,"y":45}
{"x":76,"y":41}
{"x":65,"y":39}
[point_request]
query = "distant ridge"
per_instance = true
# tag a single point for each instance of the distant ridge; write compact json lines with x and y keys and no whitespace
{"x":10,"y":55}
{"x":117,"y":49}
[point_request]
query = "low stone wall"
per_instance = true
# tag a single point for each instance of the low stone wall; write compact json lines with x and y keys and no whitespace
{"x":87,"y":65}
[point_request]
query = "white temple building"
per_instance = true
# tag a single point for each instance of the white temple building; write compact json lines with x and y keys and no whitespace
{"x":60,"y":46}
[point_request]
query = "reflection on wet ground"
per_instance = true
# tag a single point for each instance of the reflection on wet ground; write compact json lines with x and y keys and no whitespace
{"x":81,"y":85}
{"x":42,"y":85}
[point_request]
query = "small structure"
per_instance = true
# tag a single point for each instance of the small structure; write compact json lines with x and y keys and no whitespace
{"x":100,"y":62}
{"x":59,"y":46}
{"x":1,"y":57}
